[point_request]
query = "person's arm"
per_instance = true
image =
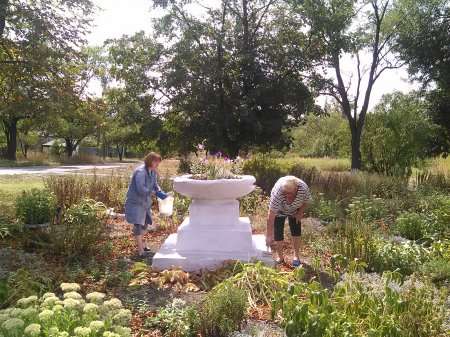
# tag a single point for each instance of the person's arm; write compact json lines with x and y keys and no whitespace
{"x":140,"y":183}
{"x":306,"y":195}
{"x":157,"y":189}
{"x":300,"y":212}
{"x":270,"y":227}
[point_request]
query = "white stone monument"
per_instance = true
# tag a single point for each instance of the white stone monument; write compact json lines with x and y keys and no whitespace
{"x":213,"y":232}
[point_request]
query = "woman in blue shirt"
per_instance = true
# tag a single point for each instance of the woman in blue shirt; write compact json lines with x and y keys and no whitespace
{"x":138,"y":203}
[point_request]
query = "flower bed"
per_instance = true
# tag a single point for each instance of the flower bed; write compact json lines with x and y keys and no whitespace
{"x":69,"y":315}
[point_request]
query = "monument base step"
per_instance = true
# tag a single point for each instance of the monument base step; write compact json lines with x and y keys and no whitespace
{"x":169,"y":258}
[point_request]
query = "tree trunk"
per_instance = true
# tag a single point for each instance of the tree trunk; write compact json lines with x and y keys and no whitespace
{"x":70,"y":147}
{"x":10,"y":127}
{"x":356,"y":148}
{"x":3,"y":6}
{"x":120,"y":151}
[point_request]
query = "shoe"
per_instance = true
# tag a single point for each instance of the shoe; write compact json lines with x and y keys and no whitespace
{"x":279,"y":261}
{"x":143,"y":255}
{"x":146,"y":249}
{"x":296,"y":263}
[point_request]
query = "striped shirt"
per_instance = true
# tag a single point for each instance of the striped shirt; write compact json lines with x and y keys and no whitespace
{"x":278,"y":202}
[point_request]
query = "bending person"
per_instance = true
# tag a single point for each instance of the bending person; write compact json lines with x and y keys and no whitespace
{"x":288,"y":200}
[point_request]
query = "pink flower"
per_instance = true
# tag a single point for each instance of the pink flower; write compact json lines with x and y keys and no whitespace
{"x":201,"y":147}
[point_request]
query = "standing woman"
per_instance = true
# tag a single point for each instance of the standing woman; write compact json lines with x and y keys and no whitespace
{"x":139,"y":199}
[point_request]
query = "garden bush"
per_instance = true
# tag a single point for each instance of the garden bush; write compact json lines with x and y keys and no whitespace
{"x":176,"y":320}
{"x":258,"y":281}
{"x":223,"y":310}
{"x":361,"y":241}
{"x":366,"y":210}
{"x":397,"y":135}
{"x":325,"y":210}
{"x":81,"y":228}
{"x":70,"y":315}
{"x":412,"y":226}
{"x":251,"y":203}
{"x":363,"y":305}
{"x":35,"y":207}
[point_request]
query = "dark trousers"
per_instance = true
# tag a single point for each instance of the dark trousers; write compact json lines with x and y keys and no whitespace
{"x":294,"y":225}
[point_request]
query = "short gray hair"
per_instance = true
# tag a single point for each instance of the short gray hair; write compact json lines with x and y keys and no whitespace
{"x":290,"y":184}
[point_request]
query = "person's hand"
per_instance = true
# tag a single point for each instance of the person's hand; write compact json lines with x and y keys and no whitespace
{"x":161,"y":195}
{"x":299,"y":216}
{"x":269,"y":240}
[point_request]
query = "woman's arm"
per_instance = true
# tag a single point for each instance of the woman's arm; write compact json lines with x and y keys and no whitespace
{"x":270,"y":227}
{"x":140,"y":183}
{"x":157,"y":189}
{"x":300,"y":212}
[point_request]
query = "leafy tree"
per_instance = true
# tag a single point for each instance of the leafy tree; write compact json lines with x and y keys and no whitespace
{"x":28,"y":135}
{"x":75,"y":114}
{"x":347,"y":28}
{"x":36,"y":40}
{"x":423,"y":42}
{"x":323,"y":136}
{"x":397,"y":135}
{"x":130,"y":86}
{"x":229,"y":78}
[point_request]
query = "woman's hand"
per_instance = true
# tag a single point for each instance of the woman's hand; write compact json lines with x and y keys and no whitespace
{"x":270,"y":228}
{"x":269,"y":240}
{"x":161,"y":195}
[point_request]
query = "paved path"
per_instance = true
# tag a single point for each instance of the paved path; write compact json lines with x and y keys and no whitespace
{"x":44,"y":170}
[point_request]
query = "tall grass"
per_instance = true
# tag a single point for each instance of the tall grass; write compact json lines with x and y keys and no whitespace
{"x":71,"y":189}
{"x":336,"y":185}
{"x":440,"y":164}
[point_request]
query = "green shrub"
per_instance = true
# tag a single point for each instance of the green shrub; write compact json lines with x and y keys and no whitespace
{"x":411,"y":225}
{"x":326,"y":210}
{"x":35,"y":207}
{"x":360,"y":241}
{"x":438,"y":270}
{"x":184,"y":165}
{"x":363,"y":305}
{"x":24,"y":282}
{"x":81,"y":228}
{"x":406,"y":257}
{"x":366,"y":210}
{"x":323,"y":136}
{"x":176,"y":320}
{"x":70,"y":315}
{"x":396,"y":135}
{"x":258,"y":281}
{"x":265,"y":170}
{"x":251,"y":203}
{"x":223,"y":310}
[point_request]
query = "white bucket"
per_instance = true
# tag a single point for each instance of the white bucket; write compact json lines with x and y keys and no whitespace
{"x":166,"y":206}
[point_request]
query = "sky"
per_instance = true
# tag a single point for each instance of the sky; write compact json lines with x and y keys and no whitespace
{"x":119,"y":17}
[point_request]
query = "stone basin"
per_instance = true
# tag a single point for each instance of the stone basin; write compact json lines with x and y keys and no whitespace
{"x":214,"y":231}
{"x":218,"y":189}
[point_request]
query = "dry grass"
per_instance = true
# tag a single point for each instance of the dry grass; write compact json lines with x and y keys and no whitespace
{"x":440,"y":165}
{"x":322,"y":164}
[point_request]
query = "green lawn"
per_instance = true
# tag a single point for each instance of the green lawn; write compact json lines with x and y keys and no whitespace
{"x":11,"y":187}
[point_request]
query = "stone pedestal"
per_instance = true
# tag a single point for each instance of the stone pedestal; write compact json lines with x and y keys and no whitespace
{"x":213,"y":232}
